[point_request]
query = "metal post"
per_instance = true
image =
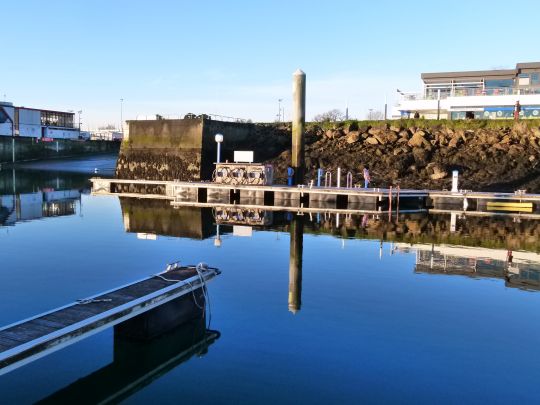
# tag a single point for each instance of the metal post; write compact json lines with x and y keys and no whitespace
{"x":13,"y":149}
{"x":385,"y":107}
{"x":455,"y":175}
{"x":438,"y":104}
{"x":390,"y":204}
{"x":298,"y":125}
{"x":338,"y":180}
{"x":319,"y":176}
{"x":349,"y":180}
{"x":121,"y":117}
{"x":218,"y":138}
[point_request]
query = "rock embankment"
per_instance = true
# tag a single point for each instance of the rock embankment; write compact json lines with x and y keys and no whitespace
{"x":503,"y":158}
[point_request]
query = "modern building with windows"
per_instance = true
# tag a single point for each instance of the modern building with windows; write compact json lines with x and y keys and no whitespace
{"x":36,"y":123}
{"x":480,"y":94}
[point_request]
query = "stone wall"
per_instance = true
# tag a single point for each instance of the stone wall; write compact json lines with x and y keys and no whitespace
{"x":27,"y":149}
{"x":498,"y":157}
{"x":490,"y":155}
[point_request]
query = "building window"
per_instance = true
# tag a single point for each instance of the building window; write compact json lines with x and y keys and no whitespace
{"x":535,"y":78}
{"x":500,"y":83}
{"x":57,"y":119}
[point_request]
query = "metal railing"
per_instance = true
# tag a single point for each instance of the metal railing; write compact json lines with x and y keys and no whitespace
{"x":190,"y":116}
{"x":432,"y":94}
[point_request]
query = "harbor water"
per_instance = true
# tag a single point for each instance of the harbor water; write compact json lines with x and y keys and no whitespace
{"x":408,"y":309}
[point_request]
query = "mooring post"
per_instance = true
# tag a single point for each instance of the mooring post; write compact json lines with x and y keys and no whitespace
{"x":298,"y":125}
{"x":455,"y":175}
{"x":295,"y":263}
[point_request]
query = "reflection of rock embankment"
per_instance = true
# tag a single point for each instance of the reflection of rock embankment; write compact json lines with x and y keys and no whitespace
{"x":493,"y":232}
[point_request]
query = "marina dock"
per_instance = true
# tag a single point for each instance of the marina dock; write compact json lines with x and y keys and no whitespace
{"x":342,"y":199}
{"x":30,"y":339}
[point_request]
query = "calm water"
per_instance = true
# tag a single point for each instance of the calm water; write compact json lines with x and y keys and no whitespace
{"x":370,"y":318}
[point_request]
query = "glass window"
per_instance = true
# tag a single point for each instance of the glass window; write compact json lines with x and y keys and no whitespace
{"x":499,"y":83}
{"x":535,"y":78}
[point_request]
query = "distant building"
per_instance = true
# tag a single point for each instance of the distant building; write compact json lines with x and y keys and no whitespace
{"x":475,"y":94}
{"x":36,"y":123}
{"x":106,"y":135}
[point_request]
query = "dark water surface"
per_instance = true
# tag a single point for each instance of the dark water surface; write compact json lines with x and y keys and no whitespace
{"x":370,"y":318}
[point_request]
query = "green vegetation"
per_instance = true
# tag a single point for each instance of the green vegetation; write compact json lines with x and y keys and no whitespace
{"x":427,"y":124}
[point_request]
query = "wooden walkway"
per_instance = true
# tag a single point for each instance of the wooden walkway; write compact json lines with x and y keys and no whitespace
{"x":30,"y":339}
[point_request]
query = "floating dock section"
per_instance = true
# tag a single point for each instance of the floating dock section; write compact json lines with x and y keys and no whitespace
{"x":318,"y":198}
{"x":30,"y":339}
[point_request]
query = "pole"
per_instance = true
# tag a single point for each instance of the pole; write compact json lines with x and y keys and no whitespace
{"x":438,"y":104}
{"x":338,"y":180}
{"x":122,"y":116}
{"x":385,"y":107}
{"x":295,"y":264}
{"x":298,"y":125}
{"x":218,"y":160}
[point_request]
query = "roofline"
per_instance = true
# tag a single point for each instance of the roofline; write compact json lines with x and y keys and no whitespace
{"x":528,"y":65}
{"x":501,"y":72}
{"x":43,"y":110}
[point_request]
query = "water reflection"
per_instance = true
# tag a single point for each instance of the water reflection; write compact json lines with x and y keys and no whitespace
{"x":30,"y":195}
{"x":137,"y":364}
{"x":295,"y":263}
{"x":518,"y":269}
{"x":480,"y":246}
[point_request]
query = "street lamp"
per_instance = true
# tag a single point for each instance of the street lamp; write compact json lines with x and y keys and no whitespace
{"x":279,"y":110}
{"x":121,"y":117}
{"x":79,"y":112}
{"x":218,"y":138}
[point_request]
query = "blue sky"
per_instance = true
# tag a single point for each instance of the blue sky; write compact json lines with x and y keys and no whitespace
{"x":236,"y":58}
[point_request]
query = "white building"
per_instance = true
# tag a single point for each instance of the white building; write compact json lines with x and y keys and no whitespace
{"x":106,"y":135}
{"x":475,"y":94}
{"x":35,"y":123}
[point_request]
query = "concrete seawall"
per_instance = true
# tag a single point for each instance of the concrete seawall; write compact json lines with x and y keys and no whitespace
{"x":27,"y":149}
{"x":185,"y":149}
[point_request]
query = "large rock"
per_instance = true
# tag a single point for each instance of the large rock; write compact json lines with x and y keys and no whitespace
{"x":372,"y":140}
{"x":353,"y":137}
{"x":418,"y":140}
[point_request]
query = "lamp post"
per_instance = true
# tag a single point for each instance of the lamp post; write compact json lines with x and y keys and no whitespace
{"x":279,"y":110}
{"x":121,"y":117}
{"x":219,"y":139}
{"x":79,"y":112}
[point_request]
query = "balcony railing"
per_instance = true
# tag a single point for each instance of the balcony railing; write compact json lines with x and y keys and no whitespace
{"x":469,"y":92}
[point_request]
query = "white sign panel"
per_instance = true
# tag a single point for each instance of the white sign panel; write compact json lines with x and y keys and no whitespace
{"x":243,"y":156}
{"x":239,"y":230}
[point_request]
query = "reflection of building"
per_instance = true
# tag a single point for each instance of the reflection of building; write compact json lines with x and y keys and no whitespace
{"x":518,"y":269}
{"x":36,"y":123}
{"x":41,"y":204}
{"x":476,"y":94}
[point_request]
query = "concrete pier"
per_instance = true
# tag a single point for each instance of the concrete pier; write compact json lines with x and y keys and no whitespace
{"x":298,"y":125}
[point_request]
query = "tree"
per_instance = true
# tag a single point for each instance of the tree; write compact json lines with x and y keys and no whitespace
{"x":329,"y":116}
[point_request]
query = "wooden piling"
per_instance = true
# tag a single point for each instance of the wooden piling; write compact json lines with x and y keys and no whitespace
{"x":298,"y":125}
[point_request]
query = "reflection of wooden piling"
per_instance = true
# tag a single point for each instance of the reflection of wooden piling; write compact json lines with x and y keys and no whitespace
{"x":295,"y":264}
{"x":298,"y":125}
